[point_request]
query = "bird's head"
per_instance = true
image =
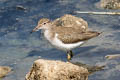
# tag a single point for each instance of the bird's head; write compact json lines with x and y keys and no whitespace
{"x":42,"y":24}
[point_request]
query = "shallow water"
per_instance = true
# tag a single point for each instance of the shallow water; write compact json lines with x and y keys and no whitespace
{"x":19,"y":48}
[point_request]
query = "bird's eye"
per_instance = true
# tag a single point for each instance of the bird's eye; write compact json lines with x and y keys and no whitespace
{"x":44,"y":23}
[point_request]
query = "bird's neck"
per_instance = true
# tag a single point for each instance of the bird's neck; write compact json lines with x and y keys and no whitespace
{"x":48,"y":34}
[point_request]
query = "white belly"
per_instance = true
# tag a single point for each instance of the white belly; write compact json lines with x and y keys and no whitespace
{"x":59,"y":44}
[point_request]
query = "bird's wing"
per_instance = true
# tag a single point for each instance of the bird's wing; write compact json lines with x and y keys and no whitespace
{"x":68,"y":38}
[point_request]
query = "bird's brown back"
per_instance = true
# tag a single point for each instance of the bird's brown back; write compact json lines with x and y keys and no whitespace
{"x":71,"y":35}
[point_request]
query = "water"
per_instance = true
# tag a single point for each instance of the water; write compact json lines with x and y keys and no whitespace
{"x":18,"y":48}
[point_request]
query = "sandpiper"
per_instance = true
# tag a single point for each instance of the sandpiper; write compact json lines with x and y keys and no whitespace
{"x":64,"y":38}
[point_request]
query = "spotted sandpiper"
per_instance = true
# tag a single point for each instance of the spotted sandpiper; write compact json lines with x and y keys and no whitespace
{"x":64,"y":38}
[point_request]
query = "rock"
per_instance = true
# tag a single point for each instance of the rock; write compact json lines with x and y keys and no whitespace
{"x":56,"y":70}
{"x":71,"y":21}
{"x":20,"y":7}
{"x":4,"y":70}
{"x":110,"y":4}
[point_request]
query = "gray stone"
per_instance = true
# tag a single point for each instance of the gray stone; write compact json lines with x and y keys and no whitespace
{"x":71,"y":21}
{"x":110,"y":4}
{"x":4,"y":70}
{"x":56,"y":70}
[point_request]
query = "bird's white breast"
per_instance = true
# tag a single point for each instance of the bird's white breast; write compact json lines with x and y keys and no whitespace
{"x":47,"y":35}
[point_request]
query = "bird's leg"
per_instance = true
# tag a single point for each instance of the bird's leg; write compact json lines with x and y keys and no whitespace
{"x":69,"y":55}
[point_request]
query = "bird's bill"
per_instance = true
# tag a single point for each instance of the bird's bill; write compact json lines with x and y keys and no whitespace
{"x":35,"y":29}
